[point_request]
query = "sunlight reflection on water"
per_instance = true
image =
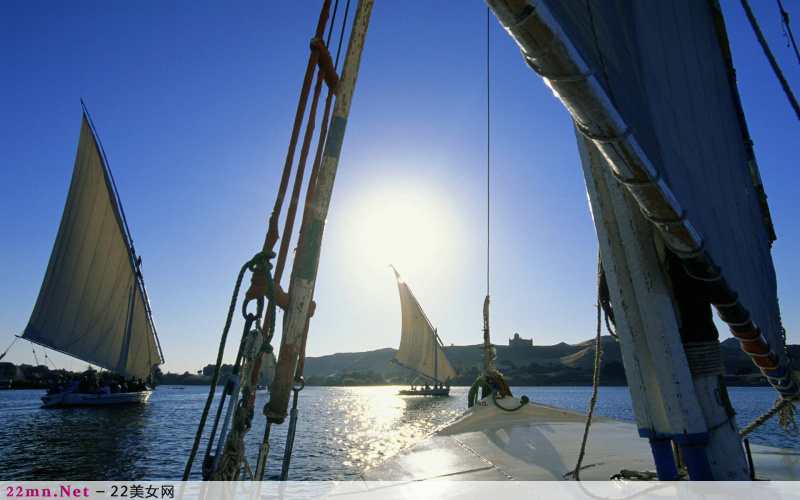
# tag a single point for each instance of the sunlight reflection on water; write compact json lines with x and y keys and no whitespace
{"x":340,"y":431}
{"x":369,"y":424}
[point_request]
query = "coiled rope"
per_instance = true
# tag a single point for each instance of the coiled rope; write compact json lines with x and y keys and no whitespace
{"x":259,"y":261}
{"x":704,"y":358}
{"x":497,"y":387}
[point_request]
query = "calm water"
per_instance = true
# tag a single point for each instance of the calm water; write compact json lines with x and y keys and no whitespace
{"x":340,"y":431}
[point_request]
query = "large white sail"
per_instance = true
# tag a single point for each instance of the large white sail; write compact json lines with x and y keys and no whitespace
{"x":92,"y":304}
{"x":420,"y":348}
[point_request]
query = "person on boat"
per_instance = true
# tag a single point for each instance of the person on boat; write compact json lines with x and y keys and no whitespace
{"x":103,"y":388}
{"x":84,"y":385}
{"x":123,"y":387}
{"x":57,"y":387}
{"x":113,"y":386}
{"x":72,"y":385}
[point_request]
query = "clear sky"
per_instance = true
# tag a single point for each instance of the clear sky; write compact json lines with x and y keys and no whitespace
{"x":194,"y":104}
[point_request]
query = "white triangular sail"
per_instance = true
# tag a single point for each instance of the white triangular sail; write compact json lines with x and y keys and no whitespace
{"x":420,"y":348}
{"x":92,"y":303}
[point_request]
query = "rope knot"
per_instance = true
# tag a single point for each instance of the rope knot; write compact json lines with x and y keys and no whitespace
{"x":261,"y":280}
{"x":786,"y":419}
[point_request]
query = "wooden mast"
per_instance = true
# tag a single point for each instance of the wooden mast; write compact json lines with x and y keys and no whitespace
{"x":304,"y":273}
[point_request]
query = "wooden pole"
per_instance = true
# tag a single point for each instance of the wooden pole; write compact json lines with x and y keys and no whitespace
{"x":307,"y":261}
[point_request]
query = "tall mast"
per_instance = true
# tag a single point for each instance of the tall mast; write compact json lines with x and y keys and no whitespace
{"x":310,"y":243}
{"x":435,"y":358}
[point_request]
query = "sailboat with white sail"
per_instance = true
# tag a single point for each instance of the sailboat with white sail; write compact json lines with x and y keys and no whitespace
{"x":683,"y":226}
{"x":93,"y":304}
{"x":421,"y":349}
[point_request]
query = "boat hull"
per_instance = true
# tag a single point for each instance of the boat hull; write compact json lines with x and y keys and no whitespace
{"x":424,"y":392}
{"x":76,"y":399}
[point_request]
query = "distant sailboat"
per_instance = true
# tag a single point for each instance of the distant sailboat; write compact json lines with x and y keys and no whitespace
{"x":421,"y":348}
{"x":93,"y":304}
{"x":682,"y":224}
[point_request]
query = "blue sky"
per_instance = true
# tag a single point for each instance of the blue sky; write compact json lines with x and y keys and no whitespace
{"x":194,"y":104}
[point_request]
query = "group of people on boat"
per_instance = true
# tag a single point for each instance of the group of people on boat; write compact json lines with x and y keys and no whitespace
{"x":427,"y":387}
{"x":90,"y":384}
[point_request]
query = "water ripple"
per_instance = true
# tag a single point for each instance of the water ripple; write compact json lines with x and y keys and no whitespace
{"x":340,"y":431}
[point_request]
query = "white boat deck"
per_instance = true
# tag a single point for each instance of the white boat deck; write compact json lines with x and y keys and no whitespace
{"x":541,"y":443}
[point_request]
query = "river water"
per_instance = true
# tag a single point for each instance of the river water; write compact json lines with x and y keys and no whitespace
{"x":340,"y":431}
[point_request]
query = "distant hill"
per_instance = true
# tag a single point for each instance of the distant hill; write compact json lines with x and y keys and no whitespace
{"x":558,"y":364}
{"x":351,"y":362}
{"x":736,"y":360}
{"x":522,"y":365}
{"x":463,"y":357}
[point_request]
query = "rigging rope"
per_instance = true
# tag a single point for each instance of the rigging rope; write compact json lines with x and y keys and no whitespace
{"x":261,"y":259}
{"x":35,"y":357}
{"x":598,"y":351}
{"x":491,"y":381}
{"x":9,"y":348}
{"x":489,"y":352}
{"x":341,"y":35}
{"x":47,"y":358}
{"x":785,"y":409}
{"x":488,"y":144}
{"x":233,"y":457}
{"x":772,"y":61}
{"x":228,"y":463}
{"x":328,"y":73}
{"x":604,"y":298}
{"x":787,"y":30}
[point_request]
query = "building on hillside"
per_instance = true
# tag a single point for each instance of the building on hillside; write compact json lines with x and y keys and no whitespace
{"x":518,"y":341}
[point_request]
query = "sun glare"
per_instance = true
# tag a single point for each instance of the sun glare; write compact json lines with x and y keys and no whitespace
{"x":403,"y":225}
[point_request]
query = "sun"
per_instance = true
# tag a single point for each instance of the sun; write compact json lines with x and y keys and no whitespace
{"x":404,"y":224}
